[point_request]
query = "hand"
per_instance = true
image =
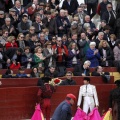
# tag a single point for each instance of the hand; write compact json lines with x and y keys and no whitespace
{"x":95,"y":52}
{"x":83,"y":74}
{"x":60,"y":27}
{"x":63,"y":51}
{"x":8,"y":61}
{"x":65,"y":23}
{"x":41,"y":23}
{"x":11,"y":29}
{"x":28,"y":75}
{"x":22,"y":10}
{"x":0,"y":83}
{"x":30,"y":59}
{"x":104,"y":59}
{"x":78,"y":51}
{"x":110,"y":109}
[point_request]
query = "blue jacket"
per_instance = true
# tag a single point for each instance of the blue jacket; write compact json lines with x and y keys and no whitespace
{"x":63,"y":111}
{"x":94,"y":59}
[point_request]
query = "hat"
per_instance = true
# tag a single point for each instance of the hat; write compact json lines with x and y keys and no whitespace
{"x":1,"y":12}
{"x":92,"y":43}
{"x":87,"y":78}
{"x":71,"y":96}
{"x":12,"y":10}
{"x":46,"y":79}
{"x":117,"y":82}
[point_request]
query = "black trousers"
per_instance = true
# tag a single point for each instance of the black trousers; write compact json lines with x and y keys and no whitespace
{"x":93,"y":7}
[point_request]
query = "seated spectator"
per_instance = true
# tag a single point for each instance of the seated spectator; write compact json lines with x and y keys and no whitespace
{"x":93,"y":55}
{"x":112,"y":41}
{"x":15,"y":65}
{"x":2,"y":18}
{"x":24,"y":25}
{"x":99,"y":72}
{"x":22,"y":74}
{"x":27,"y":58}
{"x":11,"y":43}
{"x":68,"y":80}
{"x":106,"y":54}
{"x":51,"y":72}
{"x":82,"y":70}
{"x":35,"y":73}
{"x":49,"y":54}
{"x":8,"y":74}
{"x":31,"y":30}
{"x":20,"y":40}
{"x":73,"y":55}
{"x":39,"y":58}
{"x":53,"y":40}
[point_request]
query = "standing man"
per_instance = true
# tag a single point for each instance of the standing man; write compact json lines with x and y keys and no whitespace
{"x":91,"y":5}
{"x":63,"y":111}
{"x":114,"y":101}
{"x":88,"y":92}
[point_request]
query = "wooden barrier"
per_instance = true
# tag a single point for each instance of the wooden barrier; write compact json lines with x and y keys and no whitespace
{"x":23,"y":82}
{"x":28,"y":71}
{"x":19,"y":102}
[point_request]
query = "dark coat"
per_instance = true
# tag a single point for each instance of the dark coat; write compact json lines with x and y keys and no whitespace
{"x":63,"y":111}
{"x":71,"y":55}
{"x":95,"y":74}
{"x":94,"y":59}
{"x":78,"y":70}
{"x":40,"y":82}
{"x":32,"y":45}
{"x":68,"y":82}
{"x":97,"y":41}
{"x":109,"y":58}
{"x":72,"y":7}
{"x":52,"y":75}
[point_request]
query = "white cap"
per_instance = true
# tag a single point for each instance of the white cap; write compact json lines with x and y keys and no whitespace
{"x":92,"y":43}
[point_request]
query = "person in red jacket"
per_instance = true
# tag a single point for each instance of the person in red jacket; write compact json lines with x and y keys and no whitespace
{"x":15,"y":65}
{"x":44,"y":97}
{"x":61,"y":52}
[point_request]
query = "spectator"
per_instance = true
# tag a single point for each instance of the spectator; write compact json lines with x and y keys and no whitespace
{"x":102,"y":25}
{"x":24,"y":25}
{"x":31,"y":30}
{"x":106,"y":54}
{"x":61,"y":52}
{"x":15,"y":65}
{"x":63,"y":23}
{"x":53,"y":40}
{"x":11,"y":43}
{"x":70,"y":5}
{"x":112,"y":41}
{"x":22,"y":74}
{"x":2,"y":19}
{"x":51,"y":72}
{"x":65,"y":41}
{"x":39,"y":58}
{"x":9,"y":26}
{"x":73,"y":55}
{"x":70,"y":18}
{"x":54,"y":4}
{"x":49,"y":54}
{"x":93,"y":55}
{"x":68,"y":80}
{"x":35,"y":73}
{"x":82,"y":70}
{"x":27,"y":58}
{"x":42,"y":39}
{"x":8,"y":74}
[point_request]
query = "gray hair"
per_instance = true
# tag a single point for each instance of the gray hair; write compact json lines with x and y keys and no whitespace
{"x":7,"y":19}
{"x":87,"y":62}
{"x":100,"y":33}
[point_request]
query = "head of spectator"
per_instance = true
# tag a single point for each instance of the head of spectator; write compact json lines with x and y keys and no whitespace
{"x":86,"y":64}
{"x":38,"y":18}
{"x":18,"y":4}
{"x":83,"y":6}
{"x":48,"y":45}
{"x":7,"y":21}
{"x":27,"y":50}
{"x":76,"y":19}
{"x":103,"y":23}
{"x":117,"y":82}
{"x":11,"y":39}
{"x":21,"y":70}
{"x":52,"y":69}
{"x":19,"y":51}
{"x":109,"y":7}
{"x":87,"y":19}
{"x":69,"y":75}
{"x":54,"y":40}
{"x":71,"y":98}
{"x":33,"y":37}
{"x":35,"y":72}
{"x":40,"y":11}
{"x":41,"y":5}
{"x":103,"y":44}
{"x":46,"y":32}
{"x":105,"y":1}
{"x":48,"y":15}
{"x":99,"y":70}
{"x":92,"y":45}
{"x":66,"y":13}
{"x":59,"y":41}
{"x":1,"y":14}
{"x":79,"y":9}
{"x":5,"y":33}
{"x":113,"y":37}
{"x":47,"y":7}
{"x":83,"y":36}
{"x":64,"y":38}
{"x":35,"y":2}
{"x":27,"y":37}
{"x":20,"y":37}
{"x":32,"y":30}
{"x":12,"y":12}
{"x":25,"y":18}
{"x":100,"y":35}
{"x":42,"y":36}
{"x":53,"y":13}
{"x":74,"y":37}
{"x":62,"y":13}
{"x":86,"y":80}
{"x":107,"y":29}
{"x":38,"y":50}
{"x":73,"y":46}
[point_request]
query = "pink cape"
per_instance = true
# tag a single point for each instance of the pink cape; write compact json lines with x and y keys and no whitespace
{"x":37,"y":114}
{"x":81,"y":115}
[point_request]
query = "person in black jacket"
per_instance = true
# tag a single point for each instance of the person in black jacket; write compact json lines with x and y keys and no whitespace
{"x":69,"y":80}
{"x":82,"y":70}
{"x":8,"y":74}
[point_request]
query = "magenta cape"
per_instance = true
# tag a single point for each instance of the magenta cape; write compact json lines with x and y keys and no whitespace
{"x":37,"y":114}
{"x":81,"y":115}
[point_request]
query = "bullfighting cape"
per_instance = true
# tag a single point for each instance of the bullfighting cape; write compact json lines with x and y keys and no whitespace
{"x":37,"y":114}
{"x":107,"y":116}
{"x":93,"y":115}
